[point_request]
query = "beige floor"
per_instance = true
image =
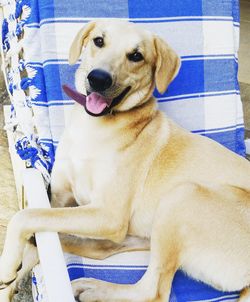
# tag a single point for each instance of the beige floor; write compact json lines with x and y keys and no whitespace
{"x":244,"y":61}
{"x":8,"y":199}
{"x":244,"y":53}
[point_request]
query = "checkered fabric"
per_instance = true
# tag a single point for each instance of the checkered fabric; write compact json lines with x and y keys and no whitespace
{"x":204,"y":97}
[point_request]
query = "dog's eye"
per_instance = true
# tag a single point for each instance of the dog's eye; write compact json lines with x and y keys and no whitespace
{"x":135,"y":56}
{"x":99,"y":42}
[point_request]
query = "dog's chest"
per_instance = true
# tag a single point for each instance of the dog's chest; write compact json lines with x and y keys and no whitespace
{"x":93,"y":173}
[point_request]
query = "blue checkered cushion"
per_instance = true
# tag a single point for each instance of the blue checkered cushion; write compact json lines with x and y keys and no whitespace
{"x":203,"y":98}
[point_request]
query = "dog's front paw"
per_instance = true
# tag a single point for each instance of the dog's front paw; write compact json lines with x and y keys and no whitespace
{"x":7,"y":276}
{"x":5,"y":294}
{"x":3,"y":284}
{"x":85,"y":289}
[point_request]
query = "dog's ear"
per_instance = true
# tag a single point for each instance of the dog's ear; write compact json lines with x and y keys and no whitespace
{"x":79,"y":42}
{"x":167,"y":64}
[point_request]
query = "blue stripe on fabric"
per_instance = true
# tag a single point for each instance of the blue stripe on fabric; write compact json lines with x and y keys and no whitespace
{"x":217,"y":8}
{"x":57,"y":75}
{"x":108,"y":266}
{"x":34,"y":16}
{"x":46,"y":8}
{"x":203,"y":76}
{"x":39,"y":83}
{"x":47,"y":104}
{"x":92,"y":9}
{"x":107,"y":274}
{"x":186,"y":289}
{"x":236,"y":10}
{"x":163,"y":8}
{"x":231,"y":139}
{"x":134,"y":9}
{"x":33,"y":25}
{"x":183,"y":288}
{"x":52,"y":82}
{"x":219,"y":74}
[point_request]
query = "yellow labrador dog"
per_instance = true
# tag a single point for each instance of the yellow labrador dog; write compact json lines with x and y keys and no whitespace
{"x":139,"y":180}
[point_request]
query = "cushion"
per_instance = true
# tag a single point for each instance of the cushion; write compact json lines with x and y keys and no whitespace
{"x":204,"y":98}
{"x":127,"y":268}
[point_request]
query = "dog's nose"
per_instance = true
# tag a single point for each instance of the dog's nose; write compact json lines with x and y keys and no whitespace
{"x":99,"y":80}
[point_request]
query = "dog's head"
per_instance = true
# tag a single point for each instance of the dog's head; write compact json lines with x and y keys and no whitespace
{"x":121,"y":64}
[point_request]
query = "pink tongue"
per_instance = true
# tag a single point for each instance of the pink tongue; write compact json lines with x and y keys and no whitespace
{"x":96,"y":103}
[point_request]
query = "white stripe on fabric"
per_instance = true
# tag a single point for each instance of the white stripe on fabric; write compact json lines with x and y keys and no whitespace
{"x":179,"y":35}
{"x":214,"y":109}
{"x":32,"y":45}
{"x":56,"y":62}
{"x":219,"y":130}
{"x":124,"y":268}
{"x":204,"y":113}
{"x":160,"y":19}
{"x":221,"y":298}
{"x":126,"y":259}
{"x":42,"y":121}
{"x":193,"y":95}
{"x":239,"y":110}
{"x":223,"y":39}
{"x":208,"y":57}
{"x":61,"y":102}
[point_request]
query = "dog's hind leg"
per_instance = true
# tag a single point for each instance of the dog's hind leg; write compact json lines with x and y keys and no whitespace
{"x":156,"y":283}
{"x":245,"y":295}
{"x":101,"y":249}
{"x":155,"y":286}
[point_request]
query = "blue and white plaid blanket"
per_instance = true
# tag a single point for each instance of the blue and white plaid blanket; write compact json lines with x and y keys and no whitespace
{"x":128,"y":268}
{"x":204,"y":97}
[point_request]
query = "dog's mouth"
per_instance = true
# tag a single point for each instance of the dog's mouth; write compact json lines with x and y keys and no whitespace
{"x":94,"y":103}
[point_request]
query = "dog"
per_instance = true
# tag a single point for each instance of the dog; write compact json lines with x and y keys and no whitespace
{"x":126,"y":177}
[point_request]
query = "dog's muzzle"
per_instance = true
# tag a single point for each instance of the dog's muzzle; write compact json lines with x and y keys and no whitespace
{"x":94,"y":103}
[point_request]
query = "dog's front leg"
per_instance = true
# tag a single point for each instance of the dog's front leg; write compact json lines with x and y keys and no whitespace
{"x":85,"y":221}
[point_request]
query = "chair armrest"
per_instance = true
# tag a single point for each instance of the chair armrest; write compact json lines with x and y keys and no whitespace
{"x":54,"y":269}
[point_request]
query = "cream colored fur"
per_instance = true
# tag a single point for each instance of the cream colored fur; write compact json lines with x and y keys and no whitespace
{"x":140,"y":181}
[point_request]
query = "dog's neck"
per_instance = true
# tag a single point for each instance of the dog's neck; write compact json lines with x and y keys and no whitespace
{"x":104,"y":127}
